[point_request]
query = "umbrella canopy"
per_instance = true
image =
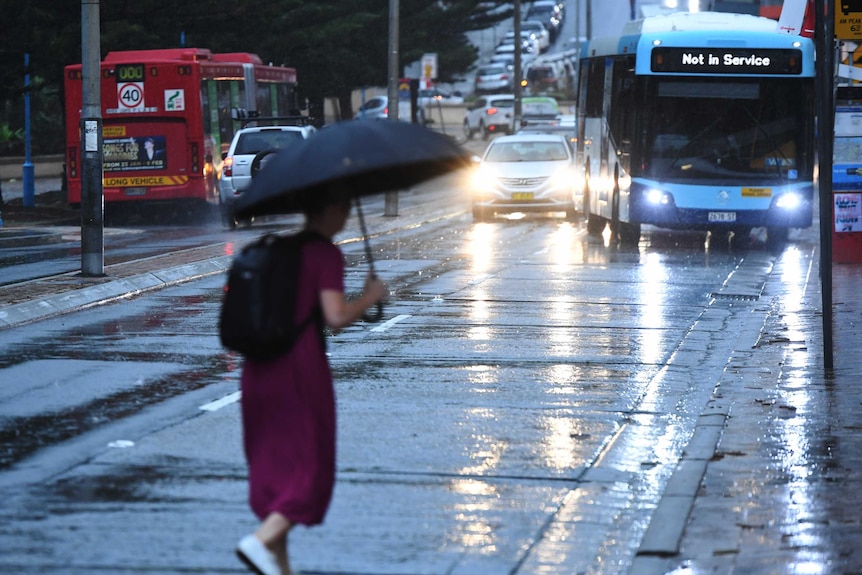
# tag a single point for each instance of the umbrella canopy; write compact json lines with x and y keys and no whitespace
{"x":365,"y":157}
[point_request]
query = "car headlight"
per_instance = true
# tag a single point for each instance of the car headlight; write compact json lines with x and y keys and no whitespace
{"x":657,"y":197}
{"x":788,"y":201}
{"x":482,"y":180}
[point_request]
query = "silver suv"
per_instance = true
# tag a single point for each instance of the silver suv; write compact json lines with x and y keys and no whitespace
{"x":491,"y":114}
{"x":243,"y":160}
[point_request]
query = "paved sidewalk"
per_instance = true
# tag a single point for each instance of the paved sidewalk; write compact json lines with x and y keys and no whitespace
{"x":782,"y":491}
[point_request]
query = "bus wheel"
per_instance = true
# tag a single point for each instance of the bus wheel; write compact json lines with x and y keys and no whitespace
{"x":595,"y":224}
{"x":776,"y":237}
{"x":740,"y":238}
{"x":630,"y":234}
{"x":228,"y":220}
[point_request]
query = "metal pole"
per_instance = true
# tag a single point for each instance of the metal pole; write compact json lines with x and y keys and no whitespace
{"x":390,"y":207}
{"x":92,"y":194}
{"x":516,"y":122}
{"x":27,"y":173}
{"x":825,"y":75}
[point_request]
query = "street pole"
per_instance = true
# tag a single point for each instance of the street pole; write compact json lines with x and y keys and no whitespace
{"x":824,"y":36}
{"x":517,"y":31}
{"x":27,"y":172}
{"x":92,"y":194}
{"x":390,"y":206}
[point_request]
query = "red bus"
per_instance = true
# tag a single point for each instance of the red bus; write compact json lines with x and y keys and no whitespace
{"x":168,"y":115}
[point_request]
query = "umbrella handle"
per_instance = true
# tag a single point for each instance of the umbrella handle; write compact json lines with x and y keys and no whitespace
{"x":378,"y":315}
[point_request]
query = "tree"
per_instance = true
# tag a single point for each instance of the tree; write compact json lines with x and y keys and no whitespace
{"x":336,"y":46}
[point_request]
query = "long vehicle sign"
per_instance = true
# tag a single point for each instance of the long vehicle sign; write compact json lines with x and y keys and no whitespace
{"x":726,"y":60}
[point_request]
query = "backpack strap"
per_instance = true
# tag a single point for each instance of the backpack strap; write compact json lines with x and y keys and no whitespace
{"x":316,"y":316}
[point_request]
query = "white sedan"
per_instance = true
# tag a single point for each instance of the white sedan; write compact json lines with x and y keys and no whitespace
{"x":436,"y":96}
{"x":525,"y":173}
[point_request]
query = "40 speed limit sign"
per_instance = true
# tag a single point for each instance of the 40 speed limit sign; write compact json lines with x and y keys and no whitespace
{"x":130,"y":96}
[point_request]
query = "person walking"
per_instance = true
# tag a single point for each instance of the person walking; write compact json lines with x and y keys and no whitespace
{"x":288,"y":404}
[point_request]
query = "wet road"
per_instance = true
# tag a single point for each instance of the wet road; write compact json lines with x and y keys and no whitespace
{"x":528,"y":387}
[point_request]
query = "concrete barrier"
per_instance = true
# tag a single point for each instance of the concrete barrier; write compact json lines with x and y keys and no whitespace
{"x":51,"y":166}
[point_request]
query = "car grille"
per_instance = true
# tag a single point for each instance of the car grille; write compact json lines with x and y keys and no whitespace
{"x":522,"y":182}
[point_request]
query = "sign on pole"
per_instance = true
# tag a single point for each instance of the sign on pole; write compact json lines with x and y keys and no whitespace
{"x":848,"y":20}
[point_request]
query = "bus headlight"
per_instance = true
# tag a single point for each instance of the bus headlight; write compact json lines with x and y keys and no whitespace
{"x":788,"y":201}
{"x":657,"y":197}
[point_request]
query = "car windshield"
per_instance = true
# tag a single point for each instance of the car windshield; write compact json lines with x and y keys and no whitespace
{"x":527,"y":152}
{"x":257,"y":142}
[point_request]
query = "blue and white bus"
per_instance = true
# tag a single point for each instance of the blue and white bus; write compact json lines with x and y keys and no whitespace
{"x":697,"y":121}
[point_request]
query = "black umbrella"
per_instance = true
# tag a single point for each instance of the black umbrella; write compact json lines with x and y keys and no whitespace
{"x":363,"y":157}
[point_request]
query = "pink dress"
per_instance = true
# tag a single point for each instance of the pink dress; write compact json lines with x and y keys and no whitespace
{"x":288,"y":409}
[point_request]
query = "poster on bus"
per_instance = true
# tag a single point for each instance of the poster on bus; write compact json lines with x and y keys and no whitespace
{"x":138,"y":153}
{"x":848,"y":212}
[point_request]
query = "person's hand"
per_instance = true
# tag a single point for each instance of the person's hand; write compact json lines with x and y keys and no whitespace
{"x":375,"y":290}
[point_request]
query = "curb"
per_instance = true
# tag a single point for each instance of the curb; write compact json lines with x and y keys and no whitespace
{"x":109,"y":291}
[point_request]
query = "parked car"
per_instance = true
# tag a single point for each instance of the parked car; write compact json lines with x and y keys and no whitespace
{"x":377,"y":108}
{"x":492,"y":78}
{"x":525,"y":173}
{"x":491,"y":114}
{"x":245,"y":157}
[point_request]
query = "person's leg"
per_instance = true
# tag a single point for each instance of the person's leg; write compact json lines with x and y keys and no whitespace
{"x":273,"y":533}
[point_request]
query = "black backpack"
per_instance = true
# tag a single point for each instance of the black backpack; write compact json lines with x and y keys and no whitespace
{"x":257,"y":315}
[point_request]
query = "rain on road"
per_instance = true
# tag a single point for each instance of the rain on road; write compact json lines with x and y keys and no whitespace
{"x":527,"y":384}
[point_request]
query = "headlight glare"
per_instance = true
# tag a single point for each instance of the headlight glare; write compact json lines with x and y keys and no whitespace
{"x":788,"y":201}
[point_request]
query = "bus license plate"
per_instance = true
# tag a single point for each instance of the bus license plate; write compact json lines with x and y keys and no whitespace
{"x":521,"y":196}
{"x":136,"y":191}
{"x":722,"y":217}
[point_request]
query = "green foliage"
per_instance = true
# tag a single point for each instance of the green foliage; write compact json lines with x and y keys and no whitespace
{"x":336,"y":46}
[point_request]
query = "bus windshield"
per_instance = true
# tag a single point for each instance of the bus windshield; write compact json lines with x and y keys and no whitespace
{"x":729,"y":129}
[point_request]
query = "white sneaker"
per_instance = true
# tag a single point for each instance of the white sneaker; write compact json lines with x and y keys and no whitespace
{"x":259,"y":559}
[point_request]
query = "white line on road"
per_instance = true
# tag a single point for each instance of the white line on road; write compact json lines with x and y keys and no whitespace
{"x":219,"y":403}
{"x":386,"y":325}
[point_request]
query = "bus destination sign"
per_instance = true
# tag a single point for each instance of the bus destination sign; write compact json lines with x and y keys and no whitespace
{"x":726,"y":60}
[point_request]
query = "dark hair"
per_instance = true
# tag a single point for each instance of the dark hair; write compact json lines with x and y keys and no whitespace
{"x":319,"y":198}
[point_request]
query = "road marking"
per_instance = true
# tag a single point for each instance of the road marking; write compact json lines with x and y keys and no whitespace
{"x":219,"y":403}
{"x":386,"y":325}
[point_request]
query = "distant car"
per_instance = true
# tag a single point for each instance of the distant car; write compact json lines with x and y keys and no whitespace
{"x":565,"y":125}
{"x":525,"y":173}
{"x":538,"y":109}
{"x":491,"y":114}
{"x":377,"y":108}
{"x":436,"y":96}
{"x":245,"y":157}
{"x":549,"y":14}
{"x":527,"y":54}
{"x":529,"y":41}
{"x":492,"y":78}
{"x":543,"y":37}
